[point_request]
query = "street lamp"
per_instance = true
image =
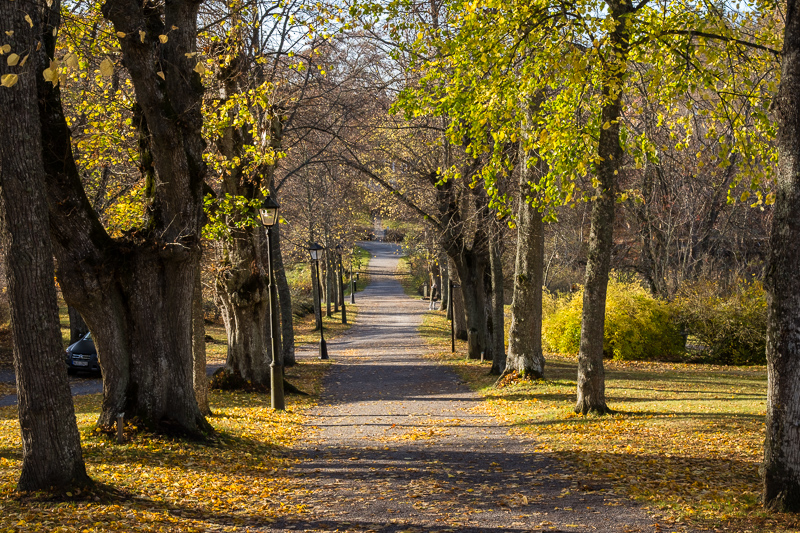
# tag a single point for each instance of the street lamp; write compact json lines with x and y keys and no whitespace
{"x":339,"y":251}
{"x":269,"y":217}
{"x":314,"y":250}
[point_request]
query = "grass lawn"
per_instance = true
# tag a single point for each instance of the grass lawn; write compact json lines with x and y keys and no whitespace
{"x":686,"y":440}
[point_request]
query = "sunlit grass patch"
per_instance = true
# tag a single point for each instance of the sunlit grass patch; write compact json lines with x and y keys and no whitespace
{"x":161,"y":484}
{"x":685,"y":439}
{"x":304,"y":328}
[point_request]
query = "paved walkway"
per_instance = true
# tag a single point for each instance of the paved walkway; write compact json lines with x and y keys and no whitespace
{"x":399,"y":446}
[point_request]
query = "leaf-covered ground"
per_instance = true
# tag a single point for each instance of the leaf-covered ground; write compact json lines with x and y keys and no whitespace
{"x":157,"y":484}
{"x":687,"y":440}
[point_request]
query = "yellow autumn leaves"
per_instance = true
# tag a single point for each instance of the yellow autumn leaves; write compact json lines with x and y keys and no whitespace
{"x":55,"y":72}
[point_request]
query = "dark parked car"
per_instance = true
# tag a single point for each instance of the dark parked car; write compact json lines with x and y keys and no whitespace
{"x":82,"y":355}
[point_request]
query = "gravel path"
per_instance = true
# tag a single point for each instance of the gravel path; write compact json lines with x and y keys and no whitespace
{"x":398,"y":445}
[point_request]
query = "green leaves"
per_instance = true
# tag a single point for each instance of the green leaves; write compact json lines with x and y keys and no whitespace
{"x":227,"y":212}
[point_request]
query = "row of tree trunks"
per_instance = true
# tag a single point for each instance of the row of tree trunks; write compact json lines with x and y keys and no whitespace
{"x":51,"y":449}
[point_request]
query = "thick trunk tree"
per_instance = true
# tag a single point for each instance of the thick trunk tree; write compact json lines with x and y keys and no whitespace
{"x":591,"y":374}
{"x":51,"y":445}
{"x":781,"y":469}
{"x":243,"y":297}
{"x":328,"y":277}
{"x":136,"y":292}
{"x":525,"y":334}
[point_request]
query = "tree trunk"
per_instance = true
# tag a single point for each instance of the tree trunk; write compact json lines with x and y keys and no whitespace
{"x":328,"y":284}
{"x":136,"y":292}
{"x":445,"y":269}
{"x":242,"y":295}
{"x":51,"y":446}
{"x":781,"y":468}
{"x":498,"y":340}
{"x":147,"y":325}
{"x":77,"y":326}
{"x":591,"y":374}
{"x":284,"y":300}
{"x":470,"y":272}
{"x":240,"y":285}
{"x":525,"y":334}
{"x":199,"y":347}
{"x":458,"y":316}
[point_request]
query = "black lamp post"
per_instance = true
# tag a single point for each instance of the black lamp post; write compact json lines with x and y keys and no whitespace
{"x":314,"y":250}
{"x":339,"y":251}
{"x":269,"y":217}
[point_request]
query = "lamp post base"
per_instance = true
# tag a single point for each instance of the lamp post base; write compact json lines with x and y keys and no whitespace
{"x":276,"y":387}
{"x":323,"y":349}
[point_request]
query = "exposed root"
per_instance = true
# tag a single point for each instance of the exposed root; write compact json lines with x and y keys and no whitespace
{"x":510,"y":377}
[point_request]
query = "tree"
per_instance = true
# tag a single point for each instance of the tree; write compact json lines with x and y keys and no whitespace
{"x":135,"y":290}
{"x":781,"y":469}
{"x":51,"y":448}
{"x":525,"y":334}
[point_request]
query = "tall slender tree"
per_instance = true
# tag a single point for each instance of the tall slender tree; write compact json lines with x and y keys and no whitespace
{"x":781,"y":489}
{"x":51,"y":448}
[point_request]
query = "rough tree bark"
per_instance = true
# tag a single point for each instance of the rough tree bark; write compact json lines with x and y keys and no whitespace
{"x":51,"y":446}
{"x":525,"y":334}
{"x":591,"y":374}
{"x":135,"y":292}
{"x":781,"y":468}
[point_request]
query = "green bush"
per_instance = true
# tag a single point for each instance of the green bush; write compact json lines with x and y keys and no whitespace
{"x":728,"y":328}
{"x":637,"y":326}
